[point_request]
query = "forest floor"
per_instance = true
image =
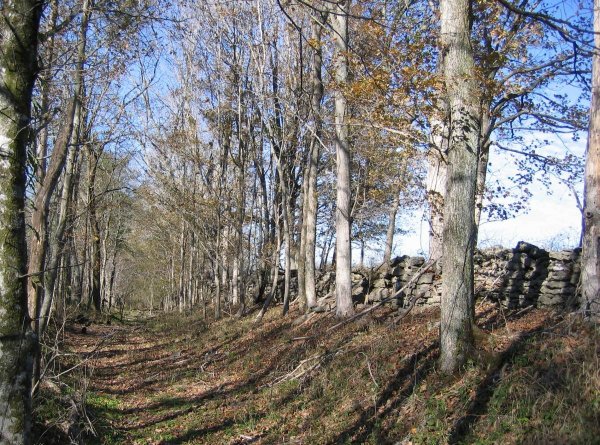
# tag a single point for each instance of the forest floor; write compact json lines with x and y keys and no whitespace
{"x":175,"y":379}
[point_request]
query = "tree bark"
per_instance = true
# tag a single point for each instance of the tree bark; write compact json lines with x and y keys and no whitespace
{"x":457,"y":309}
{"x":265,"y":234}
{"x":482,"y":163}
{"x":182,"y":257}
{"x":391,"y":228}
{"x":310,"y":212}
{"x":217,"y":279}
{"x":96,"y":259}
{"x":436,"y":186}
{"x":39,"y":218}
{"x":301,"y":252}
{"x":40,"y":215}
{"x":275,"y":269}
{"x":238,"y":260}
{"x":18,"y":46}
{"x":590,"y":259}
{"x":343,"y":276}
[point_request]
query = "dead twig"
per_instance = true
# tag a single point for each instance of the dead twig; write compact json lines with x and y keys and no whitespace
{"x":428,"y":265}
{"x":369,"y":368}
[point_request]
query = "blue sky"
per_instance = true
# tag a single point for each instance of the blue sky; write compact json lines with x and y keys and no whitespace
{"x":551,"y":221}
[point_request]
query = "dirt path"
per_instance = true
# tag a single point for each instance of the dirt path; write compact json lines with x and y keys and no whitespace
{"x":136,"y":382}
{"x":174,"y":380}
{"x":182,"y":384}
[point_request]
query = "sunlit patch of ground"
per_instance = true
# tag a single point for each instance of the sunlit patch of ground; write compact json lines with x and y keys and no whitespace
{"x":175,"y":380}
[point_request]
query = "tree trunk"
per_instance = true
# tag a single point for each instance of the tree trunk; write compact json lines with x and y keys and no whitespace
{"x":59,"y":239}
{"x":235,"y":279}
{"x":343,"y":275}
{"x":182,"y":256}
{"x":287,"y":236}
{"x":482,"y":164}
{"x":170,"y":296}
{"x":266,"y":239}
{"x":275,"y":274}
{"x":217,"y":290}
{"x":590,"y":259}
{"x":238,"y":261}
{"x":310,"y":212}
{"x":457,"y":309}
{"x":391,"y":229}
{"x":436,"y":186}
{"x":79,"y":263}
{"x":104,"y":262}
{"x":39,"y":218}
{"x":18,"y":46}
{"x":301,"y":253}
{"x":326,"y":249}
{"x":96,"y":259}
{"x":111,"y":282}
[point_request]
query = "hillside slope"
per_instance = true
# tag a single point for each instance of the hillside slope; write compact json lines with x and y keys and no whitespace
{"x":175,"y":380}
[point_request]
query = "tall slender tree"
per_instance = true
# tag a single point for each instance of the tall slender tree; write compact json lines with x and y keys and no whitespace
{"x":456,"y":335}
{"x":343,"y":270}
{"x":309,"y":219}
{"x":18,"y":51}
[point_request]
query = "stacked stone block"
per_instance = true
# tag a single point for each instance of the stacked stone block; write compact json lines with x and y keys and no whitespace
{"x":516,"y":277}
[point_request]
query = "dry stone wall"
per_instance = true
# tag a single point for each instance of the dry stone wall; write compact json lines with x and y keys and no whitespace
{"x":528,"y":275}
{"x":516,"y":277}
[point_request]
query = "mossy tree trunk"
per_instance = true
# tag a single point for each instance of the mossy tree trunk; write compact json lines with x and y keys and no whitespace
{"x":459,"y":234}
{"x":18,"y":50}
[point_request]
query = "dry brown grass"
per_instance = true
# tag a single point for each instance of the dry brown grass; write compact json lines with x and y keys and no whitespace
{"x":176,"y":380}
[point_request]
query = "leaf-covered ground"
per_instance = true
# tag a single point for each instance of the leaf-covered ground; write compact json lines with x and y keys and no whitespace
{"x":294,"y":380}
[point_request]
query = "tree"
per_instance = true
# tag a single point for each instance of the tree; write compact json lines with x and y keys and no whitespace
{"x":522,"y":59}
{"x":590,"y":259}
{"x":39,"y":280}
{"x":462,"y":91}
{"x":309,"y":208}
{"x":18,"y":52}
{"x":519,"y":62}
{"x":343,"y":270}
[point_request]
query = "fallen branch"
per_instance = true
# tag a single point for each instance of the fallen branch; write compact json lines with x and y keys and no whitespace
{"x":303,"y":369}
{"x":298,"y":371}
{"x":414,"y":299}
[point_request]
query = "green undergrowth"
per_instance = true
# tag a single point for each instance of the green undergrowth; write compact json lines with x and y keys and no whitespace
{"x":177,"y":379}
